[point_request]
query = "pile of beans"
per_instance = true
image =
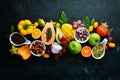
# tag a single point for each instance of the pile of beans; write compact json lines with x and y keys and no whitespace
{"x":37,"y":47}
{"x":81,"y":34}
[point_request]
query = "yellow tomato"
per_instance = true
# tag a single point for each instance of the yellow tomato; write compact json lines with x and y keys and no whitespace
{"x":57,"y":25}
{"x":95,"y":25}
{"x":90,"y":29}
{"x":36,"y":24}
{"x":46,"y":55}
{"x":112,"y":44}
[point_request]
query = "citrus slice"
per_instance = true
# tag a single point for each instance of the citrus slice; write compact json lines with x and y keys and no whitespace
{"x":86,"y":51}
{"x":36,"y":33}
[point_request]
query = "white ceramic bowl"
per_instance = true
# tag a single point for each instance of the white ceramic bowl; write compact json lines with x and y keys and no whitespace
{"x":37,"y":48}
{"x":81,"y":34}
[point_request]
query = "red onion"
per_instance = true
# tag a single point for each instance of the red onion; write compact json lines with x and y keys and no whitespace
{"x":56,"y":48}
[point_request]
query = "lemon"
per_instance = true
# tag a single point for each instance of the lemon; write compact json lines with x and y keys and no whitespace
{"x":95,"y":25}
{"x":90,"y":29}
{"x":36,"y":33}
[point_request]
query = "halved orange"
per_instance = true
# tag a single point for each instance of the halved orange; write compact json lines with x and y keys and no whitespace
{"x":36,"y":33}
{"x":86,"y":51}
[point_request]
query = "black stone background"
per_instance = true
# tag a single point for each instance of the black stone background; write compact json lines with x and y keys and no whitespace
{"x":13,"y":67}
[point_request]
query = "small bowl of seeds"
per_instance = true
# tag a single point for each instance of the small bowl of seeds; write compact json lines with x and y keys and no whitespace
{"x":81,"y":34}
{"x":98,"y":51}
{"x":37,"y":48}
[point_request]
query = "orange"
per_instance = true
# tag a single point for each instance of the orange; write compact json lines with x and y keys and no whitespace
{"x":86,"y":51}
{"x":36,"y":33}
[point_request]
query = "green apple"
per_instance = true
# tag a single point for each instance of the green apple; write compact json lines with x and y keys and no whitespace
{"x":94,"y":39}
{"x":74,"y":47}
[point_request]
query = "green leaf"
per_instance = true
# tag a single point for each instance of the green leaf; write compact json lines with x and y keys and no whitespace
{"x":12,"y":29}
{"x":110,"y":30}
{"x":92,"y":21}
{"x":86,"y":21}
{"x":63,"y":18}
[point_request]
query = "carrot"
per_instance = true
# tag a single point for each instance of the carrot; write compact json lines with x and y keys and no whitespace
{"x":24,"y":52}
{"x":86,"y":51}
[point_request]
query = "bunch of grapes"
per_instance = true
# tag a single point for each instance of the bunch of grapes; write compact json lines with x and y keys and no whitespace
{"x":77,"y":24}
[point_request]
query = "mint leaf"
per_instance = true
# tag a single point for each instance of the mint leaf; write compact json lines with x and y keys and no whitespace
{"x":63,"y":18}
{"x":86,"y":21}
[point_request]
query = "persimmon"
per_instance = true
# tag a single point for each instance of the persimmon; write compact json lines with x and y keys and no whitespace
{"x":24,"y":52}
{"x":86,"y":51}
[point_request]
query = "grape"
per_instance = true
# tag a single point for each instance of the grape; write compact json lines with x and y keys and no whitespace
{"x":79,"y":22}
{"x":109,"y":35}
{"x":74,"y":23}
{"x":110,"y":39}
{"x":75,"y":26}
{"x":82,"y":25}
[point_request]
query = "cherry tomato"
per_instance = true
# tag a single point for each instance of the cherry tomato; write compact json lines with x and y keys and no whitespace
{"x":68,"y":40}
{"x":64,"y":38}
{"x":102,"y":30}
{"x":63,"y":42}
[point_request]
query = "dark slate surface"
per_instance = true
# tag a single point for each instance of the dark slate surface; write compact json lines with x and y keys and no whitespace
{"x":12,"y":67}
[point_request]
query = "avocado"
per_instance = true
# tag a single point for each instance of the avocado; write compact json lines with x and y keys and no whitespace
{"x":58,"y":35}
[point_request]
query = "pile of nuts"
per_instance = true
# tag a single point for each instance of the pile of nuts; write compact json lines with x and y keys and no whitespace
{"x":37,"y":47}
